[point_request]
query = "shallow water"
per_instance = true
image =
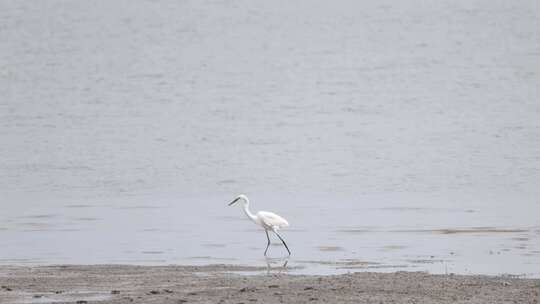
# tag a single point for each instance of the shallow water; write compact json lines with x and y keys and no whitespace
{"x":367,"y":233}
{"x":392,"y":136}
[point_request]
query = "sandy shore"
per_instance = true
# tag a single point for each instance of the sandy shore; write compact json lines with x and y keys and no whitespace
{"x":224,"y":284}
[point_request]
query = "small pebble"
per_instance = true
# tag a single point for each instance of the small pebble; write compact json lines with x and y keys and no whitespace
{"x":115,"y":291}
{"x":154,"y":292}
{"x":82,"y":302}
{"x":167,"y":290}
{"x":309,"y":288}
{"x":273,"y":286}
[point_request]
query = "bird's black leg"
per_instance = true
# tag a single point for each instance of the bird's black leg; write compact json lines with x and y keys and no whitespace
{"x":283,"y":242}
{"x":268,"y":244}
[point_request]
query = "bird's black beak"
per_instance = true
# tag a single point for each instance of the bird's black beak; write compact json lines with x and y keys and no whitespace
{"x":235,"y":200}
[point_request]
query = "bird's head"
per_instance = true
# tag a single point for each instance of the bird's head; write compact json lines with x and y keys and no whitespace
{"x":241,"y":198}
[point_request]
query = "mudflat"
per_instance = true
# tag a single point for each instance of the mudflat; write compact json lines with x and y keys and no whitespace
{"x":238,"y":284}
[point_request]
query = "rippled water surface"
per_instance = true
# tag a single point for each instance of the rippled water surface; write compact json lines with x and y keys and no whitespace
{"x":392,"y":136}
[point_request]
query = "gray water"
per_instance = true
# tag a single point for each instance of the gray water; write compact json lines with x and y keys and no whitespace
{"x":392,"y":135}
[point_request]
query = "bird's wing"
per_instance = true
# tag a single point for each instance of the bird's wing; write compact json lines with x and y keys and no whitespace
{"x":272,"y":220}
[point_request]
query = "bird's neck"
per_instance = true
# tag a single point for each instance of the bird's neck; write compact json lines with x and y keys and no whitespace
{"x":248,"y":213}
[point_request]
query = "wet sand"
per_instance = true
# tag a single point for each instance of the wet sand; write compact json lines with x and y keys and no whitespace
{"x":232,"y":284}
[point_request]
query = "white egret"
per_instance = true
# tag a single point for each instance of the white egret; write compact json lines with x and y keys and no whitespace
{"x":269,"y":221}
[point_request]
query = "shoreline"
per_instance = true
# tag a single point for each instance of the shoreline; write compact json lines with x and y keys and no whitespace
{"x":229,"y":284}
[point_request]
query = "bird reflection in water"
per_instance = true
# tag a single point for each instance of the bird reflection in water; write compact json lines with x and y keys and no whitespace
{"x":276,"y":265}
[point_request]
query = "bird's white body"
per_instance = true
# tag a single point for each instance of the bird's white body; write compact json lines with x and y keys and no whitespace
{"x":269,"y":221}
